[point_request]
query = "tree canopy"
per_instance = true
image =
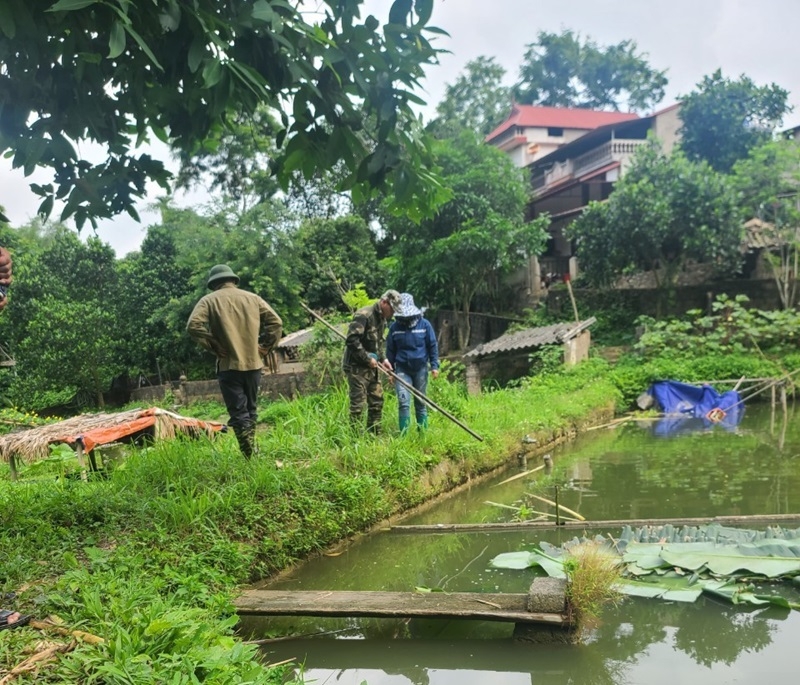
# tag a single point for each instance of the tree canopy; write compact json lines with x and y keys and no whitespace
{"x":121,"y":72}
{"x":665,"y":211}
{"x":768,"y":181}
{"x":477,"y":100}
{"x":724,"y":119}
{"x":564,"y":70}
{"x":476,"y":237}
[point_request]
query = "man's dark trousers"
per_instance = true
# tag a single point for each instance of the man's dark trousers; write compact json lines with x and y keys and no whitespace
{"x":240,"y":393}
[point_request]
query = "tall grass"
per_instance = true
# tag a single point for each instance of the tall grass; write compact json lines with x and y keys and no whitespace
{"x":592,"y":572}
{"x":150,"y":557}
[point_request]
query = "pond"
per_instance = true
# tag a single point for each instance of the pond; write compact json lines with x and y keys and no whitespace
{"x":627,"y":472}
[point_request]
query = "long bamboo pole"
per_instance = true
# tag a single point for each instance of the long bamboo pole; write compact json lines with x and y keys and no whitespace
{"x":395,"y":377}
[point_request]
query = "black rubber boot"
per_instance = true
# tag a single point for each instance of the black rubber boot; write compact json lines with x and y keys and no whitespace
{"x":374,"y":424}
{"x":246,"y":440}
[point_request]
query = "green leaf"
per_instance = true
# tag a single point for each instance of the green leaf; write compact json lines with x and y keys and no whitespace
{"x":399,"y":11}
{"x":522,"y":560}
{"x":424,"y":9}
{"x":646,"y":556}
{"x":7,"y":24}
{"x":116,"y":41}
{"x":514,"y":560}
{"x":46,"y":207}
{"x":145,"y":48}
{"x":263,"y":11}
{"x":70,"y":5}
{"x":212,"y":73}
{"x":726,"y":560}
{"x":197,"y":51}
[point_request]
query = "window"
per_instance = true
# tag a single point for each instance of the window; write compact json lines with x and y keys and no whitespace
{"x":555,"y":132}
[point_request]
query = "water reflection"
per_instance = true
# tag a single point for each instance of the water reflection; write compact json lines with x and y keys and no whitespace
{"x":720,"y":639}
{"x":618,"y":474}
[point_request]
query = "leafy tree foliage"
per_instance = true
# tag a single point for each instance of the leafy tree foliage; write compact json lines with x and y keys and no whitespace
{"x":768,"y":181}
{"x":118,"y":71}
{"x":62,"y":328}
{"x":152,"y":285}
{"x":261,"y":250}
{"x":68,"y":354}
{"x":476,"y":237}
{"x":476,"y":101}
{"x":236,"y":160}
{"x":335,"y":255}
{"x":665,"y":211}
{"x":562,"y":70}
{"x":724,"y":119}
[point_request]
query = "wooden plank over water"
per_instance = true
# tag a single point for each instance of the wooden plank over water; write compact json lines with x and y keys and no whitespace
{"x":755,"y":520}
{"x":462,"y":605}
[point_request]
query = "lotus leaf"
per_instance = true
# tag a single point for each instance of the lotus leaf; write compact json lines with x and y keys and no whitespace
{"x":725,"y":560}
{"x":522,"y":560}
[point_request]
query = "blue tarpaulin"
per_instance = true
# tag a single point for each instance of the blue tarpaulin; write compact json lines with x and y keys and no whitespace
{"x":689,"y":407}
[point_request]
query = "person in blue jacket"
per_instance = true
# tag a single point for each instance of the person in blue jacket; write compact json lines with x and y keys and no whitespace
{"x":410,"y":347}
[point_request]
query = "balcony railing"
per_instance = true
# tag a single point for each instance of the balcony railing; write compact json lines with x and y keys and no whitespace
{"x":612,"y":151}
{"x":558,"y":172}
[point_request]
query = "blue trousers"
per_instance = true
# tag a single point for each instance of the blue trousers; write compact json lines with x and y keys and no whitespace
{"x":419,"y":381}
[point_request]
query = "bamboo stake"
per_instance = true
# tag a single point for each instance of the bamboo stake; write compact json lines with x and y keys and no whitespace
{"x":61,"y":630}
{"x":519,"y":475}
{"x":502,"y":506}
{"x":610,"y":424}
{"x":395,"y":377}
{"x":568,"y":281}
{"x":36,"y":660}
{"x":766,"y":519}
{"x":560,"y":506}
{"x":542,"y":514}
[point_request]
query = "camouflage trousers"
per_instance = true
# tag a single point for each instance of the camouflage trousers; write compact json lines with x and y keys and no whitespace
{"x":365,"y":391}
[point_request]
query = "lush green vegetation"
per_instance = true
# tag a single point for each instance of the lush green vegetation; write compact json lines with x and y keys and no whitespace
{"x":184,"y":73}
{"x":150,"y":557}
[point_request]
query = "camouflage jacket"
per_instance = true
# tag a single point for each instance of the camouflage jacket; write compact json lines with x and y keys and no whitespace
{"x":364,"y":336}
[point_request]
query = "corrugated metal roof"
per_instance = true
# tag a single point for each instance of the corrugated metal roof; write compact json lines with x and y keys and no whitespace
{"x":762,"y":235}
{"x":530,"y":339}
{"x":306,"y":335}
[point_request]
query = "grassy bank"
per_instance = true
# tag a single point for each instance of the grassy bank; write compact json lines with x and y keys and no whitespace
{"x":150,"y":558}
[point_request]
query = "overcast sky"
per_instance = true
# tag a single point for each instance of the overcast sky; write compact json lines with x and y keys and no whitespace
{"x":688,"y":38}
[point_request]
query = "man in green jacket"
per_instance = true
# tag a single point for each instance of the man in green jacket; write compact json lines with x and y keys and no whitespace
{"x":363,"y":352}
{"x":238,"y":327}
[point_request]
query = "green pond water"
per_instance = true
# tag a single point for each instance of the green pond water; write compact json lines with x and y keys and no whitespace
{"x":624,"y":473}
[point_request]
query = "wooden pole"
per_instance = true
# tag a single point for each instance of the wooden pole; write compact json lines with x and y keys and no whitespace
{"x":81,"y":460}
{"x":752,"y":520}
{"x":395,"y":377}
{"x":568,"y":281}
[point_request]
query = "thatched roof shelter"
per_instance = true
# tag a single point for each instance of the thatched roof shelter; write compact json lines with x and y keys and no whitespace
{"x":87,"y":431}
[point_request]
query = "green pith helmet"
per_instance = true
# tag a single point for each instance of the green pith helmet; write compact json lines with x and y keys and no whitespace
{"x":221,"y":272}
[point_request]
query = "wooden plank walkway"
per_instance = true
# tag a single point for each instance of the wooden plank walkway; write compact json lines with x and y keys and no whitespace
{"x":461,"y":605}
{"x":755,"y":520}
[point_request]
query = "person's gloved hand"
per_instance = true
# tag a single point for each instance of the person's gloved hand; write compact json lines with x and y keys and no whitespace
{"x":373,"y":360}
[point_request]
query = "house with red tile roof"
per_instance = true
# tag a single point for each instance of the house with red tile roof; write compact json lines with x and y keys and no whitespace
{"x":531,"y":132}
{"x":574,"y":157}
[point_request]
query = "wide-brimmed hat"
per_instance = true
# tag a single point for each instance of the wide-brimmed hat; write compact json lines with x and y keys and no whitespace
{"x":393,"y":298}
{"x":220,"y":272}
{"x":408,"y":310}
